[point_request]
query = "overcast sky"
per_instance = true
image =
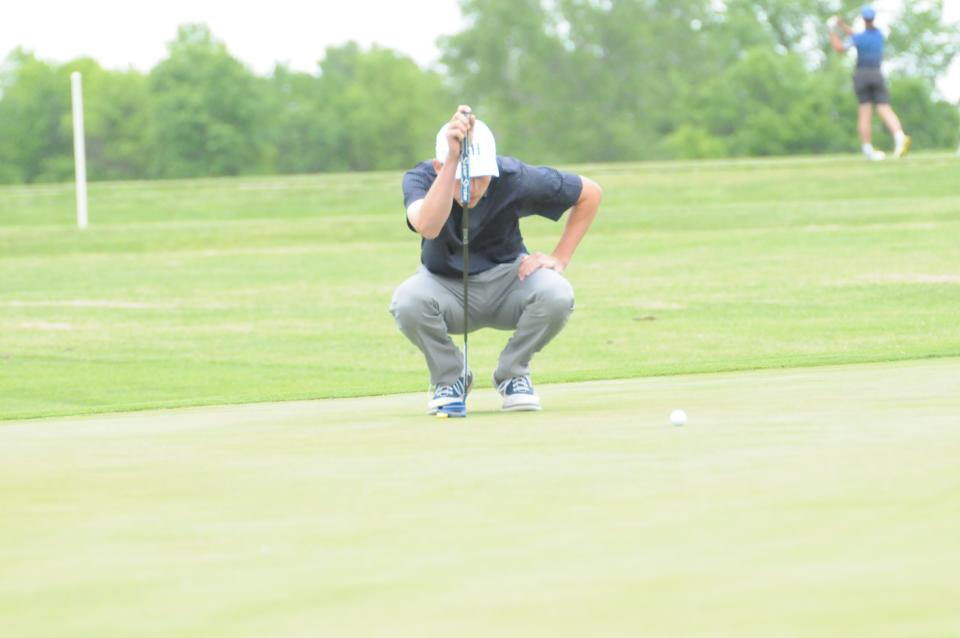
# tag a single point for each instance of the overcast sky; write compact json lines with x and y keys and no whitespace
{"x":126,"y":33}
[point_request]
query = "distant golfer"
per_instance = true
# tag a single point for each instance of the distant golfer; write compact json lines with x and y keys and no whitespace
{"x":510,"y":288}
{"x":869,"y":84}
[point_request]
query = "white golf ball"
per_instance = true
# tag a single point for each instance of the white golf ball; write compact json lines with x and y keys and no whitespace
{"x":678,"y":417}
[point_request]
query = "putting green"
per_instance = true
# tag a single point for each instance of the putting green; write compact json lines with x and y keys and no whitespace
{"x":801,"y":502}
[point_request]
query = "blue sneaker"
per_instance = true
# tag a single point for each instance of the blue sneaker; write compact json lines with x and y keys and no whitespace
{"x":445,"y":394}
{"x":518,"y":394}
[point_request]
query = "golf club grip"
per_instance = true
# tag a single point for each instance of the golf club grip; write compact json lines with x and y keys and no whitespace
{"x":465,"y":164}
{"x":465,"y":144}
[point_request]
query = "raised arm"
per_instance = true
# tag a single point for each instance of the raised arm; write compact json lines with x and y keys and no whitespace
{"x":428,"y":215}
{"x":836,"y":43}
{"x":843,"y":25}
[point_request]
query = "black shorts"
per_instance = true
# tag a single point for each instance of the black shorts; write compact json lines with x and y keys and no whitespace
{"x":870,"y":87}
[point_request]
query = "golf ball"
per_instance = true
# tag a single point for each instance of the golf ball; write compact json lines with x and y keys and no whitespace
{"x":678,"y":417}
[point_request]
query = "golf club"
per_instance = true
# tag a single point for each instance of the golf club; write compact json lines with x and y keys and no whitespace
{"x":465,"y":199}
{"x":459,"y":409}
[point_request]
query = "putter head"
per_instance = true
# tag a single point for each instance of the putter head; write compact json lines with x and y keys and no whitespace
{"x":452,"y":410}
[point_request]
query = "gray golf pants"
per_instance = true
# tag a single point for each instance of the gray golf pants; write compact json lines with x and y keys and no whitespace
{"x":429,"y":308}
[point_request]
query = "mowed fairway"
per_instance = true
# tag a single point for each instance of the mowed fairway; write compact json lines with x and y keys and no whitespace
{"x":259,"y":289}
{"x":796,"y":503}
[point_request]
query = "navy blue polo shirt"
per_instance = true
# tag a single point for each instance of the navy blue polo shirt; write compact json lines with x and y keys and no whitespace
{"x":869,"y":45}
{"x":495,"y":238}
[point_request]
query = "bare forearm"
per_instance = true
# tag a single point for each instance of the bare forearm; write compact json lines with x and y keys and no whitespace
{"x":581,"y":217}
{"x":429,"y":217}
{"x":836,"y":43}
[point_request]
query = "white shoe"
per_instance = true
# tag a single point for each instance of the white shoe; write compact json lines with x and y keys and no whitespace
{"x":518,"y":394}
{"x":876,"y":156}
{"x":903,"y":147}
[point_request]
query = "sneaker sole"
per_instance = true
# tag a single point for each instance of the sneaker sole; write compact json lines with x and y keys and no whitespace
{"x":433,"y":409}
{"x":453,"y":410}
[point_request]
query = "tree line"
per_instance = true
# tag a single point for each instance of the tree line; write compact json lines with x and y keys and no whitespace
{"x":559,"y":81}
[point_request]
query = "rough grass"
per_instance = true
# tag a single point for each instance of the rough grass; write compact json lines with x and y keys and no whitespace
{"x":256,"y":289}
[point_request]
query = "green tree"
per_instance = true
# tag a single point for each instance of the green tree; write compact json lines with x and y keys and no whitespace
{"x":305,"y":135}
{"x":35,"y":130}
{"x":786,"y":26}
{"x":638,"y":62}
{"x":9,"y":153}
{"x":508,"y":64}
{"x":769,"y":103}
{"x":931,"y":123}
{"x":386,"y":108}
{"x":578,"y":79}
{"x":207,"y":110}
{"x":116,"y":121}
{"x":559,"y":81}
{"x":922,"y":43}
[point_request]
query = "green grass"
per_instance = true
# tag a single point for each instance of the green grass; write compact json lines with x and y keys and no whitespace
{"x":256,"y":289}
{"x":810,"y":501}
{"x":795,"y":503}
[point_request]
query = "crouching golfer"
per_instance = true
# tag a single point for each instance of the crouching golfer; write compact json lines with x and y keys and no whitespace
{"x":510,"y":288}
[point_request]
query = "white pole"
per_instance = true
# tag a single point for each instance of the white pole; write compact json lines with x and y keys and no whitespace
{"x":79,"y":150}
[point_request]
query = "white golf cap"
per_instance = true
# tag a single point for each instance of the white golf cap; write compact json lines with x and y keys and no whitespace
{"x":483,"y":150}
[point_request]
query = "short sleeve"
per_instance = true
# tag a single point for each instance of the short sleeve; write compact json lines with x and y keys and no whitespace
{"x":548,"y":192}
{"x":417,"y":182}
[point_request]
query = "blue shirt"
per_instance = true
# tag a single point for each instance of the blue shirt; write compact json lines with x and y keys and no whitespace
{"x":495,"y":238}
{"x":869,"y":45}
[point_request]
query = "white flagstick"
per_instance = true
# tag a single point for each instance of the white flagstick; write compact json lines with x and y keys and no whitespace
{"x":79,"y":150}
